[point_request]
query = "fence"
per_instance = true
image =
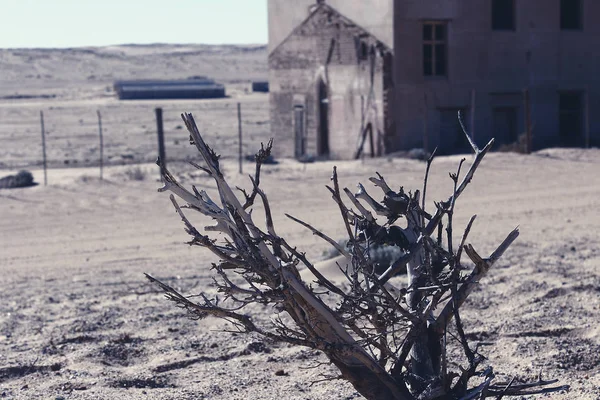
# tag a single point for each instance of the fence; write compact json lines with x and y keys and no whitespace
{"x":129,"y":131}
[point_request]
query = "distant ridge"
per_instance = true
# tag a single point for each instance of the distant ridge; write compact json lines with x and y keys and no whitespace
{"x":64,"y":72}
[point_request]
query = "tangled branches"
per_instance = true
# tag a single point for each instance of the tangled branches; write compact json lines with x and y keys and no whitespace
{"x":389,"y":343}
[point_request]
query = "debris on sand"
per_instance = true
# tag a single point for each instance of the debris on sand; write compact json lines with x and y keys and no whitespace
{"x":22,"y":179}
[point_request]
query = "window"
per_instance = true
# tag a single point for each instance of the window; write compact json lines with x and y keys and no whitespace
{"x":434,"y":49}
{"x":571,"y":15}
{"x":570,"y":118}
{"x":503,"y":15}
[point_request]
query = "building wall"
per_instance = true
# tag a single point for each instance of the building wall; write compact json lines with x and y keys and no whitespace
{"x":375,"y":16}
{"x":325,"y":48}
{"x":494,"y":65}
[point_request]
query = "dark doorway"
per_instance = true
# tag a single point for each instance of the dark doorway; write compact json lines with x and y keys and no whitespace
{"x":323,"y":110}
{"x":452,"y":137}
{"x":505,"y":124}
{"x":299,"y":129}
{"x":570,"y":118}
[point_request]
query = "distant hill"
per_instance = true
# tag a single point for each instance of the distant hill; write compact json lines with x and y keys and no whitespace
{"x":85,"y":71}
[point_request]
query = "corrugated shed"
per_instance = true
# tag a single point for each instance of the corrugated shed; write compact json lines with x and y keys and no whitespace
{"x":202,"y":88}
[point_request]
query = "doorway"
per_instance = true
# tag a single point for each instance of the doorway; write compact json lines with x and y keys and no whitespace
{"x":323,"y":112}
{"x":299,"y":129}
{"x":452,"y":138}
{"x":505,"y":124}
{"x":570,"y":118}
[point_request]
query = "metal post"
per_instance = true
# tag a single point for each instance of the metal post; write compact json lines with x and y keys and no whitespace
{"x":161,"y":140}
{"x":101,"y":144}
{"x":44,"y":148}
{"x":239,"y":113}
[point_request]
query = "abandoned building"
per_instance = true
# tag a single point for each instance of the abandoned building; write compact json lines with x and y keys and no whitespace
{"x":330,"y":81}
{"x":482,"y":57}
{"x":509,"y":66}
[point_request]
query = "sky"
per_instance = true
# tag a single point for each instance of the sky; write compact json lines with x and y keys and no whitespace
{"x":76,"y":23}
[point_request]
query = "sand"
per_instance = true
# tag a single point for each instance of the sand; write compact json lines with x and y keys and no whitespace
{"x":79,"y":321}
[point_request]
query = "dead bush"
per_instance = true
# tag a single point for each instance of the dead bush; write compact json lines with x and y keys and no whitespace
{"x":389,"y":343}
{"x":135,"y":173}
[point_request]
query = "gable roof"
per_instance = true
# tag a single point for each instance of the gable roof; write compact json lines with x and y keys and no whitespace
{"x":326,"y":7}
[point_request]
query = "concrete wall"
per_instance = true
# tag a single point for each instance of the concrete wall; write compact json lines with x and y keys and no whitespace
{"x":297,"y":66}
{"x":497,"y":65}
{"x":375,"y":16}
{"x":352,"y":108}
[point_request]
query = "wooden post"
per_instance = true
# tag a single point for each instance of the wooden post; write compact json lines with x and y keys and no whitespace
{"x":161,"y":140}
{"x":101,"y":144}
{"x":587,"y":119}
{"x":362,"y":113}
{"x":371,"y":142}
{"x":44,"y":148}
{"x":527,"y":121}
{"x":239,"y":115}
{"x":472,"y":116}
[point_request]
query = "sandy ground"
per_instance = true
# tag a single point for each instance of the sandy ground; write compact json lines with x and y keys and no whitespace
{"x":78,"y":320}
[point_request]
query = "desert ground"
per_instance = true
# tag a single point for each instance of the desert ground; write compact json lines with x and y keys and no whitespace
{"x":79,"y":321}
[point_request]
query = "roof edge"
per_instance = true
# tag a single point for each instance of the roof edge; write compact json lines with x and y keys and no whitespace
{"x":318,"y":7}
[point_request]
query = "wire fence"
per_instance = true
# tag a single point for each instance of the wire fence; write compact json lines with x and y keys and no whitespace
{"x":129,"y":131}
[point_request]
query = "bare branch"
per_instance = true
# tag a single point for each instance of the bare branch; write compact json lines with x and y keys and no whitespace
{"x":260,"y":157}
{"x":462,"y":125}
{"x":365,"y":213}
{"x":481,"y":268}
{"x":380,"y":182}
{"x":436,"y":219}
{"x":379,"y":209}
{"x":429,"y":161}
{"x":320,"y":234}
{"x":464,"y":238}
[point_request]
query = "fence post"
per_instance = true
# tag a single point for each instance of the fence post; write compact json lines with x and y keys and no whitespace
{"x":44,"y":148}
{"x":239,"y":114}
{"x":161,"y":140}
{"x":101,"y":144}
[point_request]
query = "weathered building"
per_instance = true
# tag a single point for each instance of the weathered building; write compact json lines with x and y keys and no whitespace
{"x":330,"y":79}
{"x":375,"y":16}
{"x":507,"y":65}
{"x":479,"y":56}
